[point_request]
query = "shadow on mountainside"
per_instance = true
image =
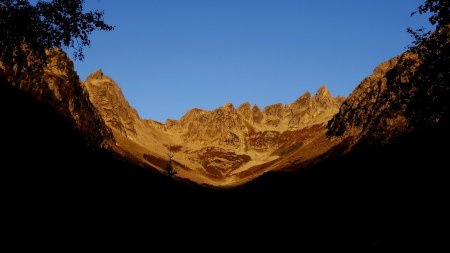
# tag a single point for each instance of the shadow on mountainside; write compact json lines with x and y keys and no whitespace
{"x":377,"y":196}
{"x":44,"y":156}
{"x":369,"y":198}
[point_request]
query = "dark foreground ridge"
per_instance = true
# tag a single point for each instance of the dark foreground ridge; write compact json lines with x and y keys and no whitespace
{"x":383,"y":188}
{"x":371,"y":198}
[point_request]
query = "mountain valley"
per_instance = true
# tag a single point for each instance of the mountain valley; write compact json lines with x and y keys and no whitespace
{"x":224,"y":147}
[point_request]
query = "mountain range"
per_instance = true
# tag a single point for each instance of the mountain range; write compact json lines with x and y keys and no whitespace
{"x":230,"y":146}
{"x":222,"y":147}
{"x":372,"y":163}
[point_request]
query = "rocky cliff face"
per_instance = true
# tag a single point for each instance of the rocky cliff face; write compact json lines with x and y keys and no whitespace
{"x":134,"y":138}
{"x":239,"y":128}
{"x":59,"y":86}
{"x":110,"y":102}
{"x":370,"y":104}
{"x":405,"y":93}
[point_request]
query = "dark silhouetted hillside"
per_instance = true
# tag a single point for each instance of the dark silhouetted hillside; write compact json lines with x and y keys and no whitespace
{"x":383,"y":187}
{"x":52,"y":180}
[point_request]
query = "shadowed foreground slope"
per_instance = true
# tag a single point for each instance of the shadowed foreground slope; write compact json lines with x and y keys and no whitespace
{"x":45,"y":156}
{"x":371,"y":199}
{"x":380,"y":188}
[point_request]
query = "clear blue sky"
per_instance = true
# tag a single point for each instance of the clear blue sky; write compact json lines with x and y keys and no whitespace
{"x":172,"y":55}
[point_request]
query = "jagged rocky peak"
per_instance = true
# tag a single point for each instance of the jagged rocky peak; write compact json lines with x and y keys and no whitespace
{"x":107,"y":96}
{"x":274,"y":110}
{"x":98,"y":74}
{"x":228,"y":107}
{"x":59,"y":86}
{"x":170,"y":122}
{"x":257,"y":114}
{"x":372,"y":109}
{"x":192,"y":114}
{"x":305,"y":97}
{"x":228,"y":125}
{"x":256,"y":108}
{"x":384,"y":67}
{"x":322,"y":98}
{"x":245,"y":110}
{"x":98,"y":77}
{"x":245,"y":106}
{"x":323,"y":92}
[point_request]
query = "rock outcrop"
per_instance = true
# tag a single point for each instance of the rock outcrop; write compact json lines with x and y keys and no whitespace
{"x":405,"y":93}
{"x":111,"y":103}
{"x":369,"y":101}
{"x":227,"y":126}
{"x":58,"y":86}
{"x":133,"y":136}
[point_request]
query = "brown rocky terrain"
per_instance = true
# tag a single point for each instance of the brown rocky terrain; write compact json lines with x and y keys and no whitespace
{"x":374,"y":103}
{"x":225,"y":146}
{"x":402,"y":95}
